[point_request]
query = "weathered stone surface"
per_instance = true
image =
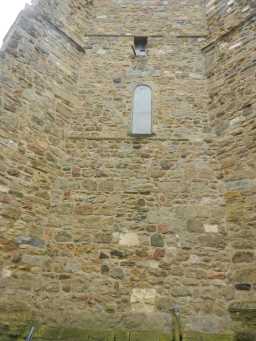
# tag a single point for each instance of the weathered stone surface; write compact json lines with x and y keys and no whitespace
{"x":104,"y":269}
{"x":243,"y":257}
{"x":211,"y":228}
{"x":143,"y":300}
{"x":243,"y":286}
{"x":109,"y":230}
{"x":103,"y":255}
{"x":129,"y":239}
{"x":117,"y":273}
{"x":159,"y":253}
{"x":232,"y":93}
{"x":245,"y":274}
{"x":195,"y":226}
{"x":157,"y":240}
{"x":118,"y":253}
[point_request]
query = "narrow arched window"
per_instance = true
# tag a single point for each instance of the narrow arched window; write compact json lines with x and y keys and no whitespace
{"x":142,"y":110}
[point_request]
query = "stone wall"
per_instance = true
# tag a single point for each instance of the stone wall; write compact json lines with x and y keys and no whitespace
{"x":103,"y":230}
{"x":230,"y":56}
{"x":39,"y":70}
{"x":143,"y":217}
{"x":124,"y":17}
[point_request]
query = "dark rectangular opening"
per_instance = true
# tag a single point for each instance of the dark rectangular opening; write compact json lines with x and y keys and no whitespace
{"x":140,"y":44}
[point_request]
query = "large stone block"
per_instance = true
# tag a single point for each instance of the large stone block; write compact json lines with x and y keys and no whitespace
{"x":143,"y":300}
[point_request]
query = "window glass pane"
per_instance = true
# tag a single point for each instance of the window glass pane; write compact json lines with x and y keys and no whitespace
{"x":142,"y":110}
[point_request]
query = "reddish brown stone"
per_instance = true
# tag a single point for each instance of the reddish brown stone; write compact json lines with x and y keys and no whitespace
{"x":73,"y":182}
{"x":67,"y":195}
{"x":163,"y":228}
{"x":7,"y":245}
{"x":76,"y":171}
{"x":159,"y":253}
{"x":216,"y":275}
{"x":5,"y":198}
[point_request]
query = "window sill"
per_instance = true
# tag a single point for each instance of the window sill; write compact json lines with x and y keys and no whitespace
{"x":141,"y":135}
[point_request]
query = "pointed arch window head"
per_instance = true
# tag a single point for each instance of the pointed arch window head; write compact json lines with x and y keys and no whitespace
{"x":142,"y":111}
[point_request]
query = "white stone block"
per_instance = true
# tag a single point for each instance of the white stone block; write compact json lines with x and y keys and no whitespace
{"x":4,"y":189}
{"x":6,"y":273}
{"x":129,"y":239}
{"x":143,"y":300}
{"x":211,"y":228}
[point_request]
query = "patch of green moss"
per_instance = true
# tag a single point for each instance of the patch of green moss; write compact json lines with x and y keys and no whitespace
{"x":165,"y":337}
{"x":46,"y":333}
{"x":3,"y":337}
{"x":246,"y":336}
{"x":68,"y":334}
{"x":196,"y":336}
{"x":144,"y":336}
{"x":120,"y":335}
{"x":244,"y":312}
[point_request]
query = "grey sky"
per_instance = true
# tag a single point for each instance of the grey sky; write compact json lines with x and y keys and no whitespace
{"x":9,"y":9}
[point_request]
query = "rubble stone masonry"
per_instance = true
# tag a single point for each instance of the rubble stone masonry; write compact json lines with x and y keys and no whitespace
{"x":231,"y":64}
{"x":109,"y":236}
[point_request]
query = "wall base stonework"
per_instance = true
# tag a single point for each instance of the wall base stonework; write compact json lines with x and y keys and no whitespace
{"x":68,"y":334}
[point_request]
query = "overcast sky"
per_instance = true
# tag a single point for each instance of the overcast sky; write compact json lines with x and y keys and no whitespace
{"x":9,"y":9}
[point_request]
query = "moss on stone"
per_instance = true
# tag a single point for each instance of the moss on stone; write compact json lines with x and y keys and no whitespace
{"x":243,"y":311}
{"x":165,"y":337}
{"x":71,"y":334}
{"x":246,"y":336}
{"x":197,"y":336}
{"x":144,"y":336}
{"x":62,"y":333}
